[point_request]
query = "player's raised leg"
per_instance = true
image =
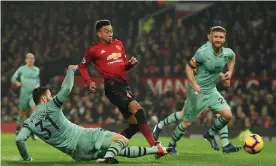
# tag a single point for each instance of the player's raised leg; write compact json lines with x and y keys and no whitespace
{"x":172,"y":118}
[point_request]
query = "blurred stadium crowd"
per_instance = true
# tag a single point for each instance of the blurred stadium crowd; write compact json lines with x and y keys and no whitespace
{"x":62,"y":30}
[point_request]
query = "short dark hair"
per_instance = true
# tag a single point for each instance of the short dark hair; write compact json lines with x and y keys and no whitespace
{"x":38,"y":93}
{"x":210,"y":30}
{"x":100,"y":23}
{"x":217,"y":29}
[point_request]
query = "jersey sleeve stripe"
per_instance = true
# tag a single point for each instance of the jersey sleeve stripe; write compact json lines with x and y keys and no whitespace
{"x":55,"y":101}
{"x":27,"y":126}
{"x":59,"y":102}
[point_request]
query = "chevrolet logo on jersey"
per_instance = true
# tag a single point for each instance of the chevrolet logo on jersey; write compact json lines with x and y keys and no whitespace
{"x":114,"y":56}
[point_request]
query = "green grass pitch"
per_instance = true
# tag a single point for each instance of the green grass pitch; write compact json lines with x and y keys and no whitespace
{"x":193,"y":152}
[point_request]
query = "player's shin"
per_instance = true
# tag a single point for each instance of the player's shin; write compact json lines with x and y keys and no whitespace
{"x":224,"y":136}
{"x":115,"y":148}
{"x":219,"y":123}
{"x":144,"y":127}
{"x":130,"y":131}
{"x":137,"y":151}
{"x":170,"y":119}
{"x":178,"y":133}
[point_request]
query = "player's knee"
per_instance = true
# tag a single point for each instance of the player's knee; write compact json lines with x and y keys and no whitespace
{"x":134,"y":106}
{"x":117,"y":137}
{"x":140,"y":116}
{"x":187,"y":124}
{"x":227,"y":115}
{"x":124,"y":139}
{"x":132,"y":120}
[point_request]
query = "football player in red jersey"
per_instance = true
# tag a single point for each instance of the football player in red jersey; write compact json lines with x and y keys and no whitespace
{"x":111,"y":62}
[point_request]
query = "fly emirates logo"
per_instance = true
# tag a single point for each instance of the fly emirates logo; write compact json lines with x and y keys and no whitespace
{"x":114,"y":58}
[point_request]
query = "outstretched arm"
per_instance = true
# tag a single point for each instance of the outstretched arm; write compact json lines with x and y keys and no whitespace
{"x":66,"y":86}
{"x":21,"y":143}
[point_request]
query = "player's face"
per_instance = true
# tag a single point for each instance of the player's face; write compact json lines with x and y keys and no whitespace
{"x":30,"y":60}
{"x":218,"y":39}
{"x":106,"y":33}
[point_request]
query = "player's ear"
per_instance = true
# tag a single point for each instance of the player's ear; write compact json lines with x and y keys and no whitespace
{"x":99,"y":33}
{"x":44,"y":98}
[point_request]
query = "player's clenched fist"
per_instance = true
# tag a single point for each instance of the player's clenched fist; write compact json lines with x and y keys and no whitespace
{"x":92,"y":87}
{"x":132,"y":61}
{"x":227,"y":83}
{"x":226,"y":76}
{"x":18,"y":84}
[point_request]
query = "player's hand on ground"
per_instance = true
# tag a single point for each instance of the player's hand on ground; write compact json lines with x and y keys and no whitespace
{"x":73,"y":67}
{"x":18,"y":84}
{"x":132,"y":61}
{"x":196,"y":88}
{"x":227,"y":83}
{"x":92,"y":87}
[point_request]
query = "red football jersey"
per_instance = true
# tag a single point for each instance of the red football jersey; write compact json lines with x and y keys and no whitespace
{"x":110,"y":60}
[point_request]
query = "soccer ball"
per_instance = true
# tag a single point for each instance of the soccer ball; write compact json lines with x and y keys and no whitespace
{"x":253,"y":144}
